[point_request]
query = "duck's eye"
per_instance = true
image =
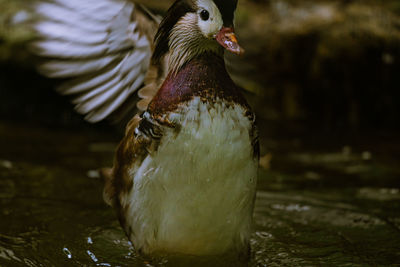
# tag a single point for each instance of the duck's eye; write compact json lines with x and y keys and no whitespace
{"x":204,"y":15}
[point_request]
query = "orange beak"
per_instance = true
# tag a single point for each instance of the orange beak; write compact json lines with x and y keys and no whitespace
{"x":227,"y":39}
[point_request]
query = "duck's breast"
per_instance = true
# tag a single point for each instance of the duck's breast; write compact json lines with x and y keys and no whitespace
{"x":194,"y":194}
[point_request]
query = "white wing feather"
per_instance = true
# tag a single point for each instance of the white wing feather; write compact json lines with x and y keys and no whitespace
{"x":96,"y":44}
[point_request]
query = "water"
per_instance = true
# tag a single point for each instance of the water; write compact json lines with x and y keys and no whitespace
{"x":325,"y":207}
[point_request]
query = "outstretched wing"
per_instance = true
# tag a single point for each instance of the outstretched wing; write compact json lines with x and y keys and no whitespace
{"x":104,"y":46}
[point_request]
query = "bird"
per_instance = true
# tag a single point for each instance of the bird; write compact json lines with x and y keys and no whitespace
{"x":184,"y":175}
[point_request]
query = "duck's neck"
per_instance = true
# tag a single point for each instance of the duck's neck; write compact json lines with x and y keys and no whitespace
{"x":203,"y":76}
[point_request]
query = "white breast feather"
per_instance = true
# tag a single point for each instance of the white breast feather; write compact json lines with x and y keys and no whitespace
{"x":195,"y":194}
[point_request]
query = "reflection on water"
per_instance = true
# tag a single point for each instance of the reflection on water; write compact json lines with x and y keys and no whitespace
{"x":310,"y":210}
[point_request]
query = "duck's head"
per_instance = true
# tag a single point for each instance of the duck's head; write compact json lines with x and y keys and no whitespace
{"x":193,"y":27}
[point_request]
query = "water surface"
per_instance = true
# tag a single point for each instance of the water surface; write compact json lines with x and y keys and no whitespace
{"x":334,"y":206}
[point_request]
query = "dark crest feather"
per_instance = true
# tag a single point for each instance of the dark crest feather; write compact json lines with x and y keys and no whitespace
{"x":227,"y":9}
{"x":174,"y":13}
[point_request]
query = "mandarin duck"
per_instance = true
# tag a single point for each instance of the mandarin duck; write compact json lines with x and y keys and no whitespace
{"x":184,"y":176}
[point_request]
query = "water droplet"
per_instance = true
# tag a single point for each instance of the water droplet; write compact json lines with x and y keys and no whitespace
{"x":91,"y":254}
{"x":264,"y":235}
{"x":68,"y":253}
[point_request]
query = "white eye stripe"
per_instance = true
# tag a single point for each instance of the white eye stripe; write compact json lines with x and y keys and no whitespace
{"x":214,"y":23}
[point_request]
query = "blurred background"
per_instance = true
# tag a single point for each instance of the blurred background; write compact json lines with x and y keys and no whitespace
{"x":310,"y":65}
{"x":324,"y":80}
